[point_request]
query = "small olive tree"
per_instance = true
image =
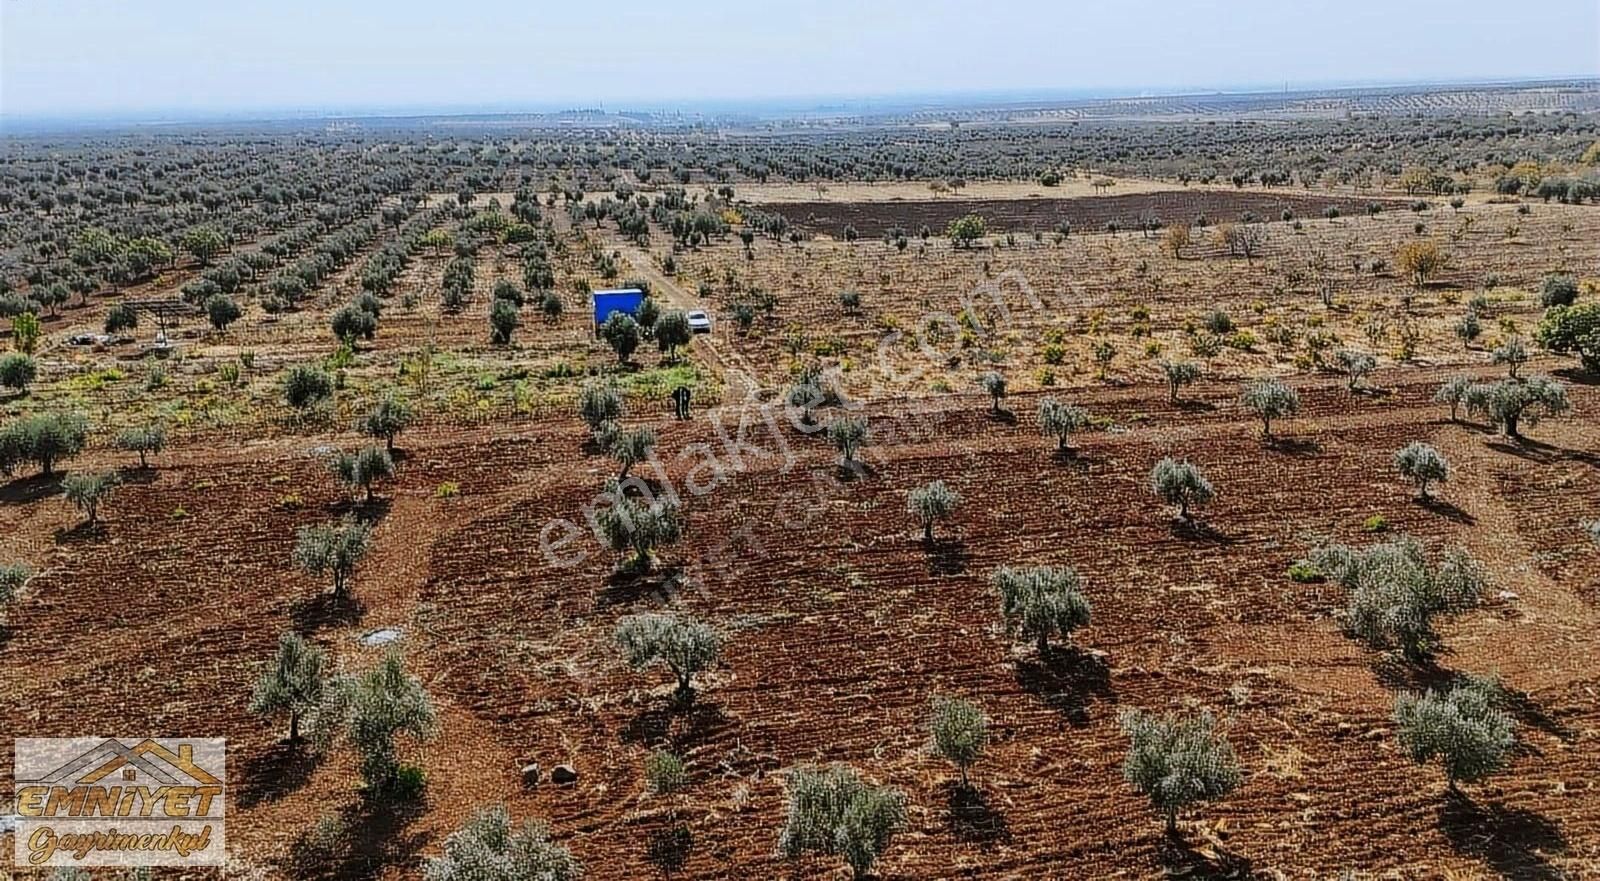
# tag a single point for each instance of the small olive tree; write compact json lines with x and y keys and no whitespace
{"x":1177,"y":761}
{"x":930,"y":502}
{"x":362,"y":469}
{"x":630,"y":446}
{"x":1462,"y":727}
{"x":621,"y":332}
{"x":833,"y":811}
{"x":683,"y":645}
{"x":1356,"y":365}
{"x":386,"y":420}
{"x":1060,"y":421}
{"x":292,"y":683}
{"x":598,"y":403}
{"x":806,"y":396}
{"x":333,"y":549}
{"x":1513,"y":353}
{"x":13,"y":578}
{"x":1269,"y":399}
{"x":960,"y":732}
{"x":994,"y":385}
{"x":1180,"y":483}
{"x":1454,"y":392}
{"x":86,"y":491}
{"x":638,"y":525}
{"x":1038,"y":602}
{"x":487,"y":848}
{"x":1179,"y":374}
{"x":147,"y":440}
{"x":306,"y":386}
{"x":848,"y":434}
{"x":372,"y":711}
{"x":672,"y":331}
{"x":1422,"y":465}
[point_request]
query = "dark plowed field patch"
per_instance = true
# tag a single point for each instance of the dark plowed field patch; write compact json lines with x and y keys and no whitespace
{"x":1088,"y":214}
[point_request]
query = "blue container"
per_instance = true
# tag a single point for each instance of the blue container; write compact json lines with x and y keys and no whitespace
{"x":624,"y":300}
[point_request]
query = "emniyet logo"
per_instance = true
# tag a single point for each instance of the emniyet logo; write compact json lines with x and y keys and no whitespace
{"x":92,"y":801}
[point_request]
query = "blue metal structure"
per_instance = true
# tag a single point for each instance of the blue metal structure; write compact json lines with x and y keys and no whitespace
{"x":625,"y":300}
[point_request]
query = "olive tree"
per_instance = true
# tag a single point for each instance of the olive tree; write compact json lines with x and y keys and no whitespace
{"x":1422,"y":465}
{"x":1179,"y":374}
{"x":672,"y":331}
{"x":1513,"y":353}
{"x":630,"y":446}
{"x":682,"y":644}
{"x":1180,"y":483}
{"x":1177,"y":761}
{"x":1269,"y":399}
{"x":1038,"y":602}
{"x":362,"y":469}
{"x":145,"y":440}
{"x":994,"y":385}
{"x":334,"y":549}
{"x":848,"y":434}
{"x":17,"y":370}
{"x":599,"y":402}
{"x":1396,"y":592}
{"x":504,"y":319}
{"x":833,"y":811}
{"x":306,"y":386}
{"x":960,"y":732}
{"x":44,"y":439}
{"x":372,"y":711}
{"x":1509,"y":404}
{"x":621,"y":333}
{"x":386,"y":420}
{"x":929,"y":502}
{"x":638,"y":525}
{"x":1454,"y":392}
{"x":805,"y":396}
{"x":1575,"y":330}
{"x":13,"y":577}
{"x":86,"y":491}
{"x":292,"y":683}
{"x":1060,"y":420}
{"x":1462,"y":727}
{"x":487,"y":848}
{"x":1356,"y":365}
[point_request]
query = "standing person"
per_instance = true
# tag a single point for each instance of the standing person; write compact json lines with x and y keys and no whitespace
{"x":680,"y":401}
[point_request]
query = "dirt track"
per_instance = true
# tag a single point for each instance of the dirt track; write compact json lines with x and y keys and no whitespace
{"x":843,"y":626}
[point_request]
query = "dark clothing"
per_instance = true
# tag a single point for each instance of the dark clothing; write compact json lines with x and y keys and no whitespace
{"x":680,"y":401}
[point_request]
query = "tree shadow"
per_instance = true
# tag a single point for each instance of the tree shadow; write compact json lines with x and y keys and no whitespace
{"x":1370,"y":391}
{"x":853,"y":470}
{"x":1541,"y":452}
{"x":138,"y":475}
{"x":1527,"y":711}
{"x":1194,"y":529}
{"x":972,"y":818}
{"x":1398,"y":673}
{"x":370,"y":511}
{"x":1446,"y":510}
{"x":83,"y":531}
{"x":278,"y":771}
{"x":1071,"y":457}
{"x":628,"y":586}
{"x":947,"y":556}
{"x":1068,"y":680}
{"x":1182,"y":859}
{"x":25,"y":490}
{"x":676,"y":724}
{"x":668,"y":849}
{"x":1003,"y":416}
{"x":1189,"y":405}
{"x":1512,"y":841}
{"x":325,"y":610}
{"x":1294,"y":446}
{"x":1577,"y":375}
{"x":360,"y":841}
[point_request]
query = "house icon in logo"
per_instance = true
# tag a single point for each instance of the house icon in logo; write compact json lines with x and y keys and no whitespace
{"x":148,"y":763}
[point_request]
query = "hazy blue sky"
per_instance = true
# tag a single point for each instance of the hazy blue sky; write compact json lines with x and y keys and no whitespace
{"x":61,"y":57}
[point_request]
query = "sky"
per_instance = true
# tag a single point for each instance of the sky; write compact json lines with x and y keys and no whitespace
{"x":111,"y":58}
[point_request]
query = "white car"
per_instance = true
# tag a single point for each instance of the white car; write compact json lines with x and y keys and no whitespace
{"x":699,"y":322}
